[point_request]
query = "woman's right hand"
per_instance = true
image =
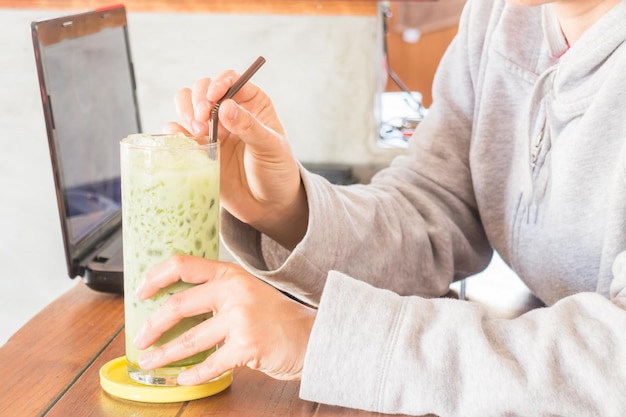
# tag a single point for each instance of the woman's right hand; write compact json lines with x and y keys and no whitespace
{"x":260,"y":178}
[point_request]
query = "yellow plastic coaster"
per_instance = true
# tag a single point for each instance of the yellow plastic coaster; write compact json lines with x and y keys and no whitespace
{"x":115,"y":380}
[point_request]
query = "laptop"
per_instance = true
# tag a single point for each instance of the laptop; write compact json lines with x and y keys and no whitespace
{"x":88,"y":92}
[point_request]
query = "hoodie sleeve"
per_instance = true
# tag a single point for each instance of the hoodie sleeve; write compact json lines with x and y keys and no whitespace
{"x":414,"y":229}
{"x":416,"y":356}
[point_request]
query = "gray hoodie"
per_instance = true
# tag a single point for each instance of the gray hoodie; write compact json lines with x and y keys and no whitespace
{"x":523,"y":152}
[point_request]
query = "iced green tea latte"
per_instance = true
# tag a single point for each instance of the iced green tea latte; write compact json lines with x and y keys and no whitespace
{"x":170,"y":205}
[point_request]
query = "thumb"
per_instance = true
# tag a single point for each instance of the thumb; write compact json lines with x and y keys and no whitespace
{"x":239,"y":122}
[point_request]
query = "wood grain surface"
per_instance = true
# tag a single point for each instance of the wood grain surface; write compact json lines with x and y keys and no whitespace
{"x":55,"y":347}
{"x":56,"y":358}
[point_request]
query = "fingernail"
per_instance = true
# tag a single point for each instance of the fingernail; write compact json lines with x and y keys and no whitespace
{"x":139,"y":293}
{"x":197,"y":126}
{"x":146,"y":360}
{"x":139,"y":340}
{"x":184,"y":379}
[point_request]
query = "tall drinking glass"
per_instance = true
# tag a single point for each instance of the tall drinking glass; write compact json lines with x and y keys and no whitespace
{"x":170,"y":205}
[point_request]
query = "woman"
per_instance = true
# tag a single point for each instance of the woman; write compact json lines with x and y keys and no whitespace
{"x":522,"y":152}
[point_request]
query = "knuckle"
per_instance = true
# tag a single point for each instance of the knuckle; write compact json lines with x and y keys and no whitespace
{"x":178,"y":261}
{"x":245,"y":339}
{"x":242,"y":284}
{"x":188,"y":340}
{"x":241,"y":317}
{"x":248,"y":351}
{"x":149,"y":326}
{"x":203,"y":372}
{"x":175,"y":303}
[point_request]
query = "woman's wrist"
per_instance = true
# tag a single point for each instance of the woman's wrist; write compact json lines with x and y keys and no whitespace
{"x":287,"y":225}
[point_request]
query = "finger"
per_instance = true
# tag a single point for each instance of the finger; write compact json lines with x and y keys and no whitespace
{"x":237,"y":120}
{"x":184,"y":106}
{"x":186,"y":268}
{"x":220,"y":85}
{"x":200,"y":338}
{"x":188,"y":303}
{"x":202,"y":107}
{"x":173,"y":127}
{"x":216,"y":364}
{"x":199,"y":128}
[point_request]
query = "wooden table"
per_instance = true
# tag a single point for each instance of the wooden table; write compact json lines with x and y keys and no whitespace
{"x":57,"y":355}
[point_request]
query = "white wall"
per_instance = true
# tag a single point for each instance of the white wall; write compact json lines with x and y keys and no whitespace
{"x":321,"y":71}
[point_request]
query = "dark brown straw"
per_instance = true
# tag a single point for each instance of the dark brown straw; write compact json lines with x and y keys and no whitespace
{"x":230,"y":94}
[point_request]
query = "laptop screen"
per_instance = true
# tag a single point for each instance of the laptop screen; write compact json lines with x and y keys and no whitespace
{"x":88,"y":90}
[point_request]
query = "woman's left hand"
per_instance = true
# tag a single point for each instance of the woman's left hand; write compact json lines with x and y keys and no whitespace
{"x":259,"y":327}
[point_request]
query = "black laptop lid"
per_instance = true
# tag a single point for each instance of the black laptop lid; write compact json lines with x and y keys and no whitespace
{"x":88,"y":93}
